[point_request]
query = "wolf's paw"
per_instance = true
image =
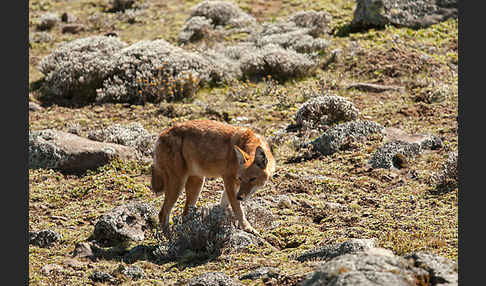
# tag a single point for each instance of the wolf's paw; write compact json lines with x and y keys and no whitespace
{"x":248,"y":228}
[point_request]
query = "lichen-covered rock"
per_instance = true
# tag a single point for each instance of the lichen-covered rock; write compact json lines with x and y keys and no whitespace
{"x":77,"y":68}
{"x":47,"y":21}
{"x":403,"y":13}
{"x":325,"y":110}
{"x":82,"y":249}
{"x":282,"y":64}
{"x":336,"y":137}
{"x":44,"y":238}
{"x":389,"y":155}
{"x":100,"y":276}
{"x":53,"y":149}
{"x":132,"y":271}
{"x":442,"y":271}
{"x":133,"y":135}
{"x":447,"y":178}
{"x":123,"y":223}
{"x":330,"y":251}
{"x":365,"y":269}
{"x":211,"y":279}
{"x":40,"y":37}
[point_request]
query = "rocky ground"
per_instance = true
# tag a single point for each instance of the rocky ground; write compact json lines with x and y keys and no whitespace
{"x":358,"y":98}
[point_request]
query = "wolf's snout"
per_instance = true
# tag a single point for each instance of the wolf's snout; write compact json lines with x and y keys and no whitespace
{"x":239,"y":198}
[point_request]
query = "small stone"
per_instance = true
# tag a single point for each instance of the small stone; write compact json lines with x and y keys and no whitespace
{"x":212,"y":278}
{"x":99,"y":276}
{"x":284,"y":202}
{"x":132,"y":271}
{"x":47,"y":269}
{"x":44,"y":238}
{"x":72,"y":28}
{"x":330,"y":251}
{"x":34,"y":106}
{"x":47,"y":21}
{"x":73,"y":263}
{"x":82,"y":249}
{"x":261,"y":272}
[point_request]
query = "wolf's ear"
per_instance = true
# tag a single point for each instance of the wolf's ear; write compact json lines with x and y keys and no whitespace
{"x":260,"y":158}
{"x":240,"y":155}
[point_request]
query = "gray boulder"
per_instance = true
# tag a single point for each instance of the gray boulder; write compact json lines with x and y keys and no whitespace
{"x":400,"y":146}
{"x":123,"y":223}
{"x":403,"y":13}
{"x":441,"y":270}
{"x":132,"y":135}
{"x":63,"y":151}
{"x":44,"y":238}
{"x":364,"y":269}
{"x":212,"y":279}
{"x":330,"y":251}
{"x":335,"y":138}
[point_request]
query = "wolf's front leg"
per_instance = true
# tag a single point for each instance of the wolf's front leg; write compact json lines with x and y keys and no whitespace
{"x":230,"y":189}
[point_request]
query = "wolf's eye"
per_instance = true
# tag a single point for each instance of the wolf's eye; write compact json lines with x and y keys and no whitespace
{"x":252,"y":179}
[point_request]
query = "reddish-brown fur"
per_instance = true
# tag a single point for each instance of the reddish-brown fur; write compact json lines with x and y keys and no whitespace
{"x":190,"y":151}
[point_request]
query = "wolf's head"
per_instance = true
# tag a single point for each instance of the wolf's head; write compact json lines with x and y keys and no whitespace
{"x":253,"y":172}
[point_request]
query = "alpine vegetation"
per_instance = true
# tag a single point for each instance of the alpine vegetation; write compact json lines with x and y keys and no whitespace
{"x":195,"y":29}
{"x":146,"y":60}
{"x":222,"y":13}
{"x":203,"y":232}
{"x":77,"y":68}
{"x":299,"y":32}
{"x":325,"y":110}
{"x":210,"y":16}
{"x":282,"y":64}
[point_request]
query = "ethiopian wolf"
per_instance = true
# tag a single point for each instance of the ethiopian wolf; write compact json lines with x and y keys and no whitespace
{"x":186,"y":153}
